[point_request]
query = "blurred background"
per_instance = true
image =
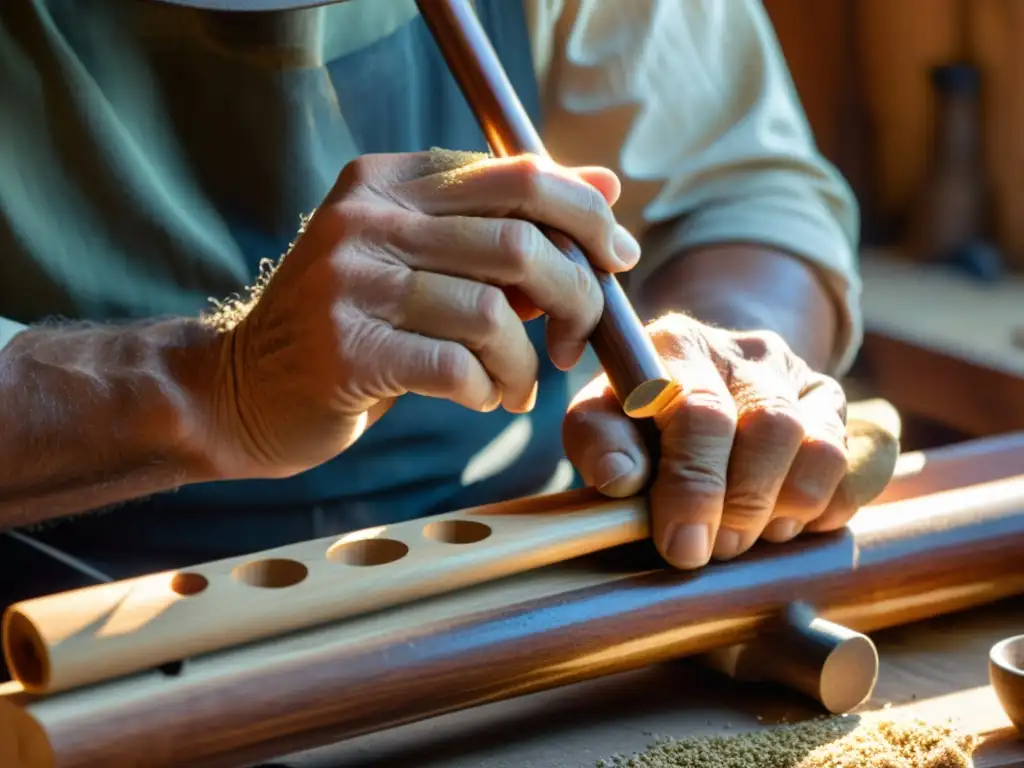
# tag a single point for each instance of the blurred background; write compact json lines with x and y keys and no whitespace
{"x":920,"y":103}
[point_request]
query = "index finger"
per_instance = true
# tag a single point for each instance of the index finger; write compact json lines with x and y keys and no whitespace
{"x":534,"y":189}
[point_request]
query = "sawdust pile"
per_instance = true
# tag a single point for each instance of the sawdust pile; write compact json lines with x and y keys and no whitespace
{"x":836,"y":742}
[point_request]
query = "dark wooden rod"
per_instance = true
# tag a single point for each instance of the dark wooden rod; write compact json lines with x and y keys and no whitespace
{"x":925,"y":555}
{"x":634,"y":368}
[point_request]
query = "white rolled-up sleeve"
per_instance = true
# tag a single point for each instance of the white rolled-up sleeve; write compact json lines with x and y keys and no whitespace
{"x":692,"y":104}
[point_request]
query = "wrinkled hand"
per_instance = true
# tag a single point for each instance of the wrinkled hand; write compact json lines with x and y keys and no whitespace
{"x":413,"y":276}
{"x":754,"y":446}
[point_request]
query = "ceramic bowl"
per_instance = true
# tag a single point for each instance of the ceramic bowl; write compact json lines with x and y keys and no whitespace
{"x":1006,"y":671}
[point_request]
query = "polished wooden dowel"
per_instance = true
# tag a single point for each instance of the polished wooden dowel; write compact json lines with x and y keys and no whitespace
{"x":72,"y":639}
{"x":834,"y":665}
{"x":635,"y":370}
{"x":897,"y":563}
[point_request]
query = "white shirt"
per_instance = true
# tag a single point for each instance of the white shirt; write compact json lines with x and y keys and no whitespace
{"x":691,"y":103}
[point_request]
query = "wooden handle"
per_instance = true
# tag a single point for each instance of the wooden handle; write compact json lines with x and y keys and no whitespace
{"x":635,"y":370}
{"x":835,"y":666}
{"x":71,"y":639}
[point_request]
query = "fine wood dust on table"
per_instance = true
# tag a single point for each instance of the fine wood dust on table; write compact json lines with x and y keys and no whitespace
{"x":936,"y":670}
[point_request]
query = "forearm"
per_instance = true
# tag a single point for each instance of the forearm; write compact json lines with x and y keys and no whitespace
{"x":749,"y":287}
{"x":94,"y":416}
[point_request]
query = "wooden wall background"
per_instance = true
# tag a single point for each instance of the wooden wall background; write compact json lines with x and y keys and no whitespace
{"x":862,"y":68}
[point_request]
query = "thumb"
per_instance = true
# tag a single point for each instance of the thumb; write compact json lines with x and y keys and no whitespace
{"x":604,"y":444}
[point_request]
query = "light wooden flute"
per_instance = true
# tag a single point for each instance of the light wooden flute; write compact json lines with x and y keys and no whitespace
{"x":950,"y":537}
{"x":71,"y":639}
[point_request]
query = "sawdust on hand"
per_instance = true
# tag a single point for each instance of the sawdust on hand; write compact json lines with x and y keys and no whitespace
{"x":227,"y":313}
{"x":835,"y":742}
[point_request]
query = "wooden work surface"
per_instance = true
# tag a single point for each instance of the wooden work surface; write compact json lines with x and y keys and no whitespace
{"x":940,"y":309}
{"x":941,"y":345}
{"x":936,"y":669}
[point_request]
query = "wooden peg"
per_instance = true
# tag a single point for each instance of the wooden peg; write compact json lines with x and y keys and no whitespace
{"x":835,"y":666}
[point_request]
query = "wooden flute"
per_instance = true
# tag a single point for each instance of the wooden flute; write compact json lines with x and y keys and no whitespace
{"x":948,"y":536}
{"x":63,"y":641}
{"x":635,"y":371}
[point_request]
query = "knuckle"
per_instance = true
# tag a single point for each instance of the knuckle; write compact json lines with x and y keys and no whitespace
{"x":391,"y":290}
{"x":452,"y":364}
{"x":528,"y":177}
{"x":698,"y":477}
{"x":677,"y":336}
{"x":772,"y":418}
{"x":584,"y":284}
{"x":820,"y":467}
{"x":760,"y":345}
{"x":670,"y":324}
{"x":827,"y":388}
{"x":532,"y":163}
{"x":491,"y":310}
{"x":706,"y":412}
{"x":518,"y":241}
{"x":358,"y":172}
{"x":744,"y":508}
{"x":825,"y":455}
{"x":353,"y":217}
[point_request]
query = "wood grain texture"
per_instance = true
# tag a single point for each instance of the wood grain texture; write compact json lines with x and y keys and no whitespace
{"x":934,"y":670}
{"x":62,"y":641}
{"x":899,"y":562}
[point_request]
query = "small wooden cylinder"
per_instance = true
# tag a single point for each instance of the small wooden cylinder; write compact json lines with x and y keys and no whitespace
{"x":835,"y":666}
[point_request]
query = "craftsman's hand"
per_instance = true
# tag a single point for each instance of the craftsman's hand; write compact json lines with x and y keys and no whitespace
{"x":414,"y":275}
{"x":754,"y":446}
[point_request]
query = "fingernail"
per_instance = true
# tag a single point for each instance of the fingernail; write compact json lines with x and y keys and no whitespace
{"x":688,"y":545}
{"x":611,"y":467}
{"x":532,"y":402}
{"x":627,"y":249}
{"x":782,"y":529}
{"x":565,"y":354}
{"x":727,"y":544}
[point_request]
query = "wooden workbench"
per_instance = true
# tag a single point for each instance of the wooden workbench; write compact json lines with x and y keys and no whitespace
{"x":938,"y":345}
{"x":935,"y":669}
{"x":941,"y":345}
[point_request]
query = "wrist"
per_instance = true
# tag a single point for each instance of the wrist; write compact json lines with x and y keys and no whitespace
{"x":194,"y":381}
{"x":97,"y":415}
{"x":149,"y":387}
